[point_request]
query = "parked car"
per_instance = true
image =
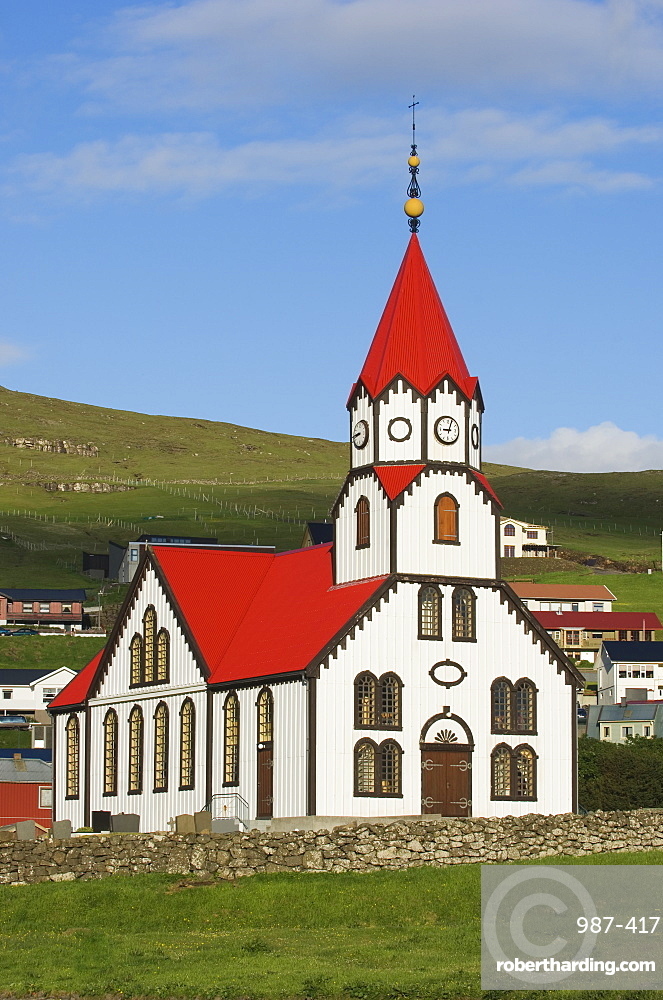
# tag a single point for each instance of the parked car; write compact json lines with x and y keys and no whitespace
{"x":24,"y":631}
{"x":14,"y":722}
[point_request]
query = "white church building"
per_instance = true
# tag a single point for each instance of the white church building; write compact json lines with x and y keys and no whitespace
{"x":389,"y":673}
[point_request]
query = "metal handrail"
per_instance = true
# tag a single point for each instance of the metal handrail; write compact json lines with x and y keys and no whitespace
{"x":229,"y":805}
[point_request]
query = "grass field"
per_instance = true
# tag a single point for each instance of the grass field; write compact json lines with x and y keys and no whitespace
{"x":40,"y":652}
{"x":404,"y":934}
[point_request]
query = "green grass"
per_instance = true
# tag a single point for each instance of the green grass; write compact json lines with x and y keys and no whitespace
{"x":14,"y":739}
{"x":41,"y":652}
{"x":406,"y":934}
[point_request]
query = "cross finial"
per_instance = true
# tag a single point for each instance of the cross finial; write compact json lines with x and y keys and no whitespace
{"x":413,"y":207}
{"x":413,"y":106}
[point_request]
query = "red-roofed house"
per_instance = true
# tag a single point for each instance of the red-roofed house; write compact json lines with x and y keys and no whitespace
{"x":387,"y":673}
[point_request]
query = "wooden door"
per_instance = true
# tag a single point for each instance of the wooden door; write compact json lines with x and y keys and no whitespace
{"x":446,"y":780}
{"x":265,"y":781}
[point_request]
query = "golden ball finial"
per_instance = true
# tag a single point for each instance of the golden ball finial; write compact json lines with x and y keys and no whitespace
{"x":413,"y":208}
{"x":413,"y":161}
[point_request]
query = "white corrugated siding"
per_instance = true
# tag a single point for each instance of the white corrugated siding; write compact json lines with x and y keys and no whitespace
{"x":353,"y":563}
{"x":446,"y":402}
{"x":399,"y":402}
{"x":362,"y":409}
{"x":64,"y":808}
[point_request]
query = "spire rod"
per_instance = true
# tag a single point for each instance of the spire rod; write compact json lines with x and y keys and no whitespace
{"x":413,"y":207}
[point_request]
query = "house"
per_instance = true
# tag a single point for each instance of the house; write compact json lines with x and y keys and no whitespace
{"x":96,"y":565}
{"x":128,"y":564}
{"x":389,"y":673}
{"x":564,"y":596}
{"x":40,"y":608}
{"x":25,"y":790}
{"x":520,"y":539}
{"x":26,"y":692}
{"x":630,"y":670}
{"x":580,"y":633}
{"x":618,"y":723}
{"x":317,"y":533}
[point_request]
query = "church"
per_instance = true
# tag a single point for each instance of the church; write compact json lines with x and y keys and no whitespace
{"x":387,"y":673}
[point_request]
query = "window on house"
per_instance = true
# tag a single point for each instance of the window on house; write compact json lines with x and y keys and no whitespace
{"x":606,"y":731}
{"x":265,"y":716}
{"x":365,"y":768}
{"x":622,"y":673}
{"x":623,"y":635}
{"x":513,"y":772}
{"x":45,"y":797}
{"x":389,"y":762}
{"x":67,"y":609}
{"x":363,"y":521}
{"x":573,"y":637}
{"x":133,"y":555}
{"x":501,"y":692}
{"x":509,"y":551}
{"x":110,"y":752}
{"x":161,"y":727}
{"x":509,"y":530}
{"x":513,"y":706}
{"x":27,"y":607}
{"x":646,"y":730}
{"x":501,"y":772}
{"x":377,"y":702}
{"x":149,"y":645}
{"x":48,"y":695}
{"x":627,"y":730}
{"x":72,"y":739}
{"x":648,"y":635}
{"x":430,"y":612}
{"x":136,"y":658}
{"x":575,"y":606}
{"x":135,"y":783}
{"x":365,"y":701}
{"x":44,"y":607}
{"x":446,"y":519}
{"x":390,"y":701}
{"x":377,"y":768}
{"x":462,"y":614}
{"x":597,"y":605}
{"x":649,"y":673}
{"x":525,"y":706}
{"x":231,"y":740}
{"x":597,"y":635}
{"x":187,"y":744}
{"x":635,"y":637}
{"x":532,"y":534}
{"x":163,"y":656}
{"x":523,"y":760}
{"x":7,"y":693}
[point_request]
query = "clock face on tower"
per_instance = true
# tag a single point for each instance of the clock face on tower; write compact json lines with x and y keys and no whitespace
{"x":446,"y":430}
{"x":360,"y":434}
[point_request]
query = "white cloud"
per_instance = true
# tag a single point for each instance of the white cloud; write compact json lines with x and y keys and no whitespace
{"x":205,"y":54}
{"x":470,"y":146}
{"x":10,"y":354}
{"x":603,"y":448}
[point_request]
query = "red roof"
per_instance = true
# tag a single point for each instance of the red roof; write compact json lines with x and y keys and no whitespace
{"x":606,"y":621}
{"x":414,"y":337}
{"x":76,"y":691}
{"x":486,"y":485}
{"x":396,"y":478}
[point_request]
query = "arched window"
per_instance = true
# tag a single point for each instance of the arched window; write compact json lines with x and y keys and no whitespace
{"x":501,"y":772}
{"x":149,"y":645}
{"x":446,"y":519}
{"x":73,"y":741}
{"x":462,"y":614}
{"x":365,"y":768}
{"x":501,"y":697}
{"x":509,"y":529}
{"x":363,"y":516}
{"x":136,"y":655}
{"x":390,"y":701}
{"x":365,"y":701}
{"x":110,"y":752}
{"x":161,"y":726}
{"x":265,"y":716}
{"x":135,"y":751}
{"x":525,"y":706}
{"x":231,"y":740}
{"x":430,"y":612}
{"x":513,"y":773}
{"x":187,"y":744}
{"x":163,"y":656}
{"x":390,"y":768}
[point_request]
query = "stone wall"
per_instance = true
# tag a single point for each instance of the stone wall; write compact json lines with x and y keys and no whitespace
{"x":364,"y":847}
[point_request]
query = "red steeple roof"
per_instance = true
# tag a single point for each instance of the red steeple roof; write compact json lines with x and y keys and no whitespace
{"x":414,"y":337}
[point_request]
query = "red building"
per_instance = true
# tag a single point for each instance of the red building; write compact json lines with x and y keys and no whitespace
{"x":25,"y":790}
{"x":42,"y":607}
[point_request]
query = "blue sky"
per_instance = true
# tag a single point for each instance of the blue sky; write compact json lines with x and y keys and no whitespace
{"x":201,"y":205}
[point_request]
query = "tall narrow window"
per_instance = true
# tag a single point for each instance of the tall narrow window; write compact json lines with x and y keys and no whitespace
{"x":446,"y":519}
{"x":231,"y":740}
{"x":265,"y":716}
{"x":136,"y":651}
{"x":161,"y":747}
{"x":73,"y":742}
{"x":390,"y":769}
{"x":463,"y":613}
{"x":135,"y":751}
{"x":501,"y":692}
{"x":430,"y":613}
{"x":163,"y":656}
{"x":363,"y":516}
{"x":365,"y":768}
{"x":525,"y":715}
{"x":149,"y":650}
{"x":110,"y":752}
{"x":187,"y":744}
{"x":390,"y":701}
{"x":524,"y":760}
{"x":501,"y":768}
{"x":365,"y":700}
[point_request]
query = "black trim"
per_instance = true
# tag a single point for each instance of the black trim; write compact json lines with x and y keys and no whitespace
{"x":182,"y":787}
{"x":365,"y":741}
{"x":163,"y":788}
{"x":513,"y":752}
{"x":392,"y":437}
{"x":446,"y":716}
{"x":447,"y":663}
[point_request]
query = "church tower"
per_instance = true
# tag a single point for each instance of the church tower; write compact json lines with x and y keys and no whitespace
{"x":415,"y":501}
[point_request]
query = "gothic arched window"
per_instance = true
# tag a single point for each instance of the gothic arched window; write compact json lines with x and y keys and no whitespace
{"x":513,"y":706}
{"x":446,"y":519}
{"x":187,"y":744}
{"x":149,"y":645}
{"x":110,"y":752}
{"x":265,"y":716}
{"x":161,"y":734}
{"x":365,"y":767}
{"x":377,"y":702}
{"x":430,"y":612}
{"x":389,"y":763}
{"x":136,"y":658}
{"x":462,"y":614}
{"x":135,"y":786}
{"x":500,"y":760}
{"x":163,"y":656}
{"x":363,"y":518}
{"x":73,"y":742}
{"x":501,"y":693}
{"x":524,"y":777}
{"x":513,"y":773}
{"x":365,"y":701}
{"x":231,"y":740}
{"x":390,"y":701}
{"x":377,"y":769}
{"x":524,"y":706}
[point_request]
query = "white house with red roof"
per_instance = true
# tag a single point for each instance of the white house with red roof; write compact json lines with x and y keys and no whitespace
{"x":388,"y":673}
